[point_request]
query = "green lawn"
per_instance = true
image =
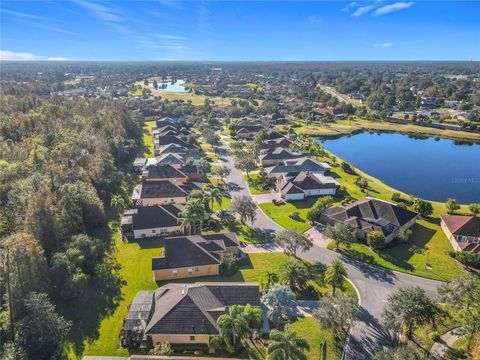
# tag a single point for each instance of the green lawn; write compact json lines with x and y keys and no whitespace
{"x":308,"y":329}
{"x":280,"y":213}
{"x":428,"y":242}
{"x":148,"y":138}
{"x":254,"y":190}
{"x":244,"y":232}
{"x":225,"y":204}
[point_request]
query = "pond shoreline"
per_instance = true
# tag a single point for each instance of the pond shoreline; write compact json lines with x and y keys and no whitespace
{"x":423,"y":166}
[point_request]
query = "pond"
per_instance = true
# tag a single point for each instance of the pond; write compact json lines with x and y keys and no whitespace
{"x":173,"y":86}
{"x":433,"y":169}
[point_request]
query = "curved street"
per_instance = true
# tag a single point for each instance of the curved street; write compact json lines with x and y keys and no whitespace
{"x":374,"y":284}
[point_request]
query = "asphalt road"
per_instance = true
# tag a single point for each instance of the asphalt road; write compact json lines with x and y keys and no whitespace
{"x":374,"y":284}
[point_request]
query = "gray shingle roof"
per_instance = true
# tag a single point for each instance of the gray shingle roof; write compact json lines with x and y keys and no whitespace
{"x":371,"y":214}
{"x":194,"y":308}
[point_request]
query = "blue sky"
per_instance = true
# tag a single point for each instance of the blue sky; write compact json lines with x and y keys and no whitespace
{"x":234,"y":30}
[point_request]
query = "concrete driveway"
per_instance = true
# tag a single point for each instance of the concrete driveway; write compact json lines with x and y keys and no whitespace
{"x":318,"y":238}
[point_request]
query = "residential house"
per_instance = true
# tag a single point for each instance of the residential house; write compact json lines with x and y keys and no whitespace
{"x":302,"y":164}
{"x":151,"y":221}
{"x":172,"y":139}
{"x":193,"y":256}
{"x":165,"y":130}
{"x":282,"y":142}
{"x":277,"y":156}
{"x":463,"y":232}
{"x":186,"y":313}
{"x":163,"y":192}
{"x":248,"y":132}
{"x":166,"y":121}
{"x":164,"y":172}
{"x":299,"y":186}
{"x":369,"y":214}
{"x":170,"y":158}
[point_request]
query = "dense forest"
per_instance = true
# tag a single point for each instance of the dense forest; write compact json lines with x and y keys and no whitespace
{"x":61,"y":162}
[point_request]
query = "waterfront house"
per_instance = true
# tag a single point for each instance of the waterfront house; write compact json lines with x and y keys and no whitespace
{"x":277,"y":156}
{"x":369,"y":214}
{"x":463,"y":232}
{"x":299,"y":186}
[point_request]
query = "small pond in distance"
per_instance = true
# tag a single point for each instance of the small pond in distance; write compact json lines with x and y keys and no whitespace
{"x":433,"y":169}
{"x":174,"y":86}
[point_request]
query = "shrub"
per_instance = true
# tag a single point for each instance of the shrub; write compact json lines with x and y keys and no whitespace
{"x":466,"y":258}
{"x":375,"y":239}
{"x":396,"y":197}
{"x":229,"y":265}
{"x":348,"y":168}
{"x":163,"y":348}
{"x":435,"y":336}
{"x":295,"y":216}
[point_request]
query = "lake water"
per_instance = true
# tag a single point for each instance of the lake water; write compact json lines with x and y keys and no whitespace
{"x":427,"y":168}
{"x":172,"y":86}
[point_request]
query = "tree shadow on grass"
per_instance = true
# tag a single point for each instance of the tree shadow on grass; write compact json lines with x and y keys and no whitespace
{"x":150,"y":243}
{"x":400,"y":253}
{"x":368,"y":338}
{"x":364,"y":264}
{"x":100,"y":300}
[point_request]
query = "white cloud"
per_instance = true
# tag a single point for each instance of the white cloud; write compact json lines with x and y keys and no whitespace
{"x":392,"y":7}
{"x":383,"y":45}
{"x":19,"y":56}
{"x":362,"y":10}
{"x":21,"y":14}
{"x":169,"y":37}
{"x":24,"y":56}
{"x":102,"y":12}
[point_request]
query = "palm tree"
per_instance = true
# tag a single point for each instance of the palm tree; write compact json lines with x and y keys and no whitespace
{"x":294,"y":274}
{"x":184,"y":219}
{"x":117,"y":201}
{"x":233,"y":327}
{"x":214,"y":195}
{"x":197,"y":209}
{"x":268,"y":279}
{"x":335,"y":274}
{"x":286,"y":345}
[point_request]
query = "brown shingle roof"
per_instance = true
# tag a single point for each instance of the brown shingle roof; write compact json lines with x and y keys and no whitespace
{"x":462,"y":225}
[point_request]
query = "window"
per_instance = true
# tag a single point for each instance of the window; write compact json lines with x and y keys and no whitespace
{"x":189,"y":271}
{"x":197,"y":269}
{"x":192,"y":338}
{"x":154,"y":231}
{"x":174,"y":272}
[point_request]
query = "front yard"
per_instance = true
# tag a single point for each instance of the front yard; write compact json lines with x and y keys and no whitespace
{"x":281,"y":213}
{"x":254,"y":189}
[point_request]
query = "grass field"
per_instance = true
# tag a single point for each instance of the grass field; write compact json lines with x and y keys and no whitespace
{"x":346,"y":127}
{"x":148,"y":138}
{"x":280,"y":213}
{"x":308,"y":329}
{"x":136,"y":260}
{"x":254,"y":190}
